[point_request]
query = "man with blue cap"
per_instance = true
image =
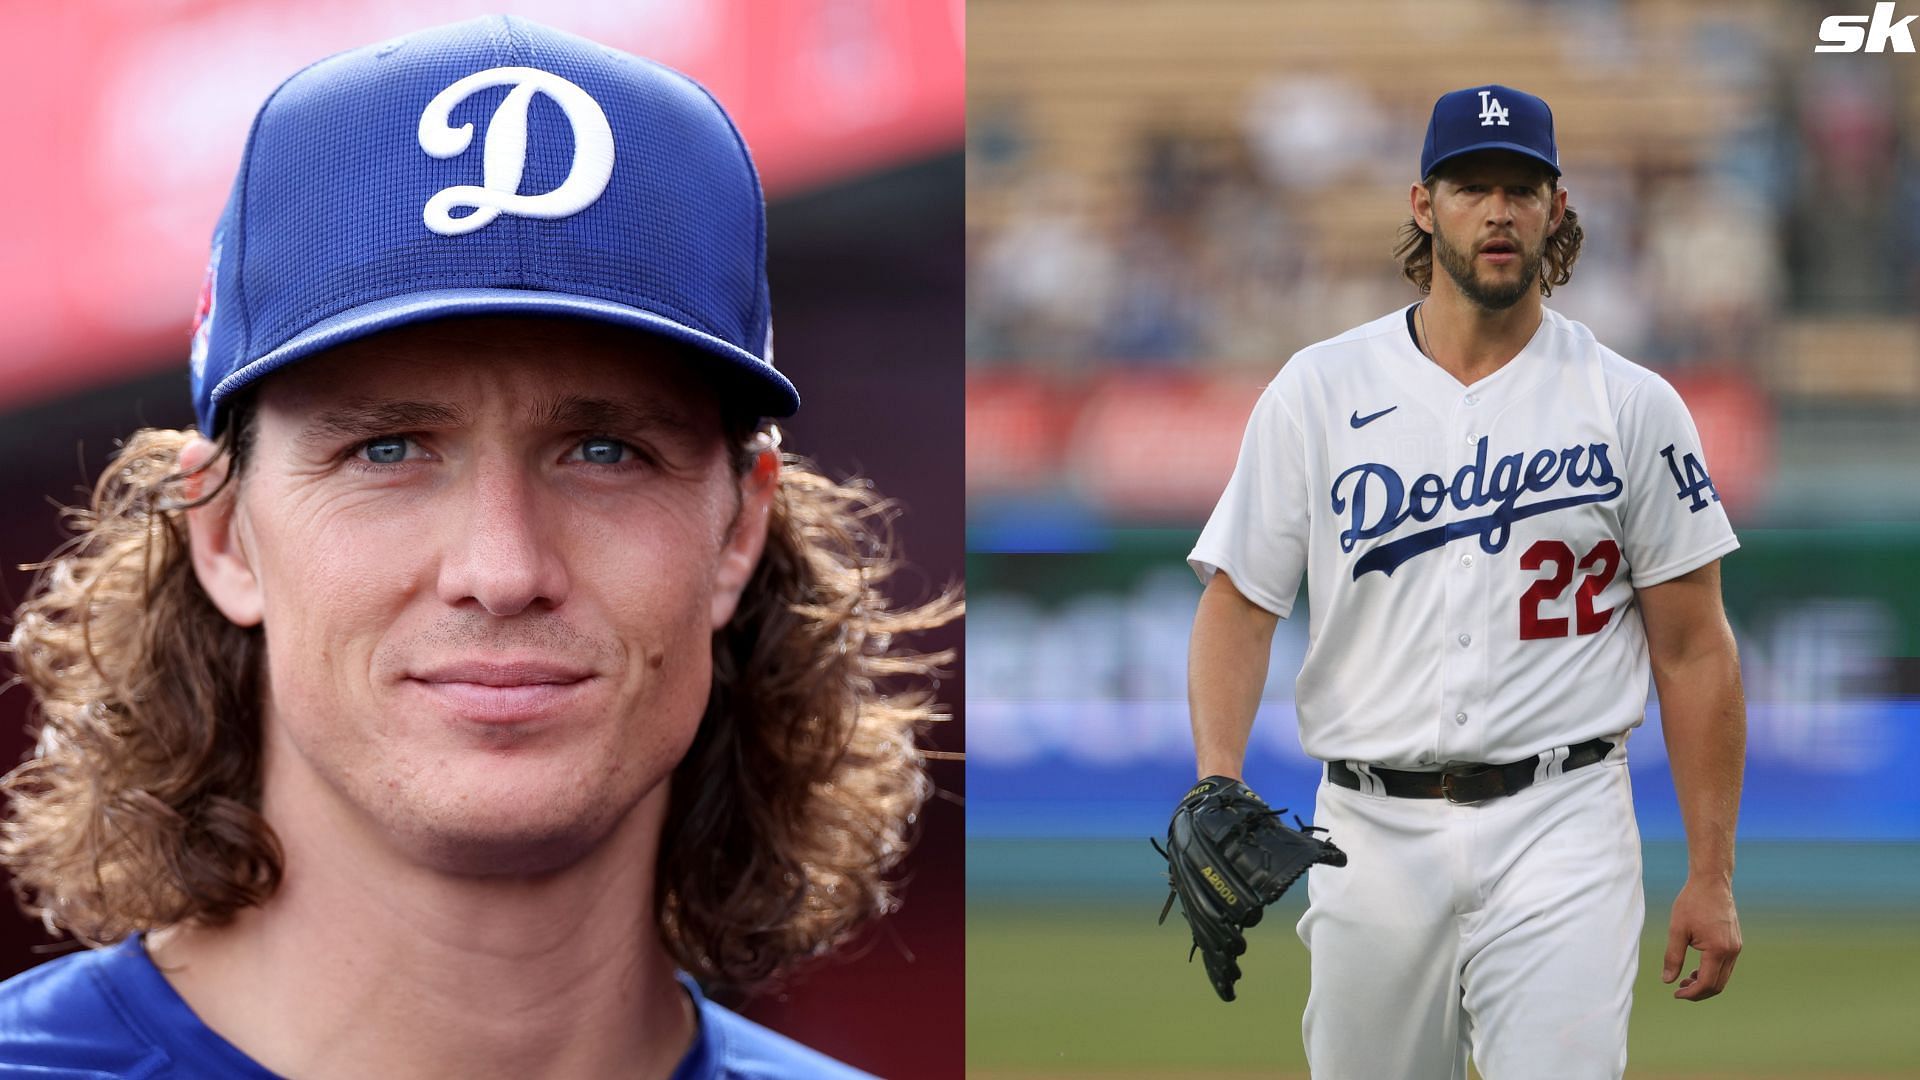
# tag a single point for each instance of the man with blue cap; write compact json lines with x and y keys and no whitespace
{"x":477,"y":687}
{"x":1507,"y":528}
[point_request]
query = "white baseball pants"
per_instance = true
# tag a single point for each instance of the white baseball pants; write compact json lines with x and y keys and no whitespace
{"x":1509,"y":929}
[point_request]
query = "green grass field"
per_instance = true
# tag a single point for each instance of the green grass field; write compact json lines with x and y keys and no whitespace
{"x":1054,"y":992}
{"x":1057,"y":993}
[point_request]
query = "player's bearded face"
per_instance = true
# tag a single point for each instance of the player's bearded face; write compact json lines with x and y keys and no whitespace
{"x":1490,"y":217}
{"x":487,"y":555}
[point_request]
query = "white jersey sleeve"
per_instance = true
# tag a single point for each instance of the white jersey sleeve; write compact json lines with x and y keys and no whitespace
{"x":1258,"y":531}
{"x":1673,"y":523}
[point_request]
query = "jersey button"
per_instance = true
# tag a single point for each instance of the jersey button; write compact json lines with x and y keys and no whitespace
{"x":1472,"y":438}
{"x":1466,"y":560}
{"x":1472,"y":399}
{"x":1466,"y":640}
{"x":1459,"y":718}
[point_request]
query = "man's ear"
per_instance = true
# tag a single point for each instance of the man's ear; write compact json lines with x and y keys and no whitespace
{"x":1559,"y":210}
{"x":748,"y":537}
{"x":1422,"y":201}
{"x":221,"y":559}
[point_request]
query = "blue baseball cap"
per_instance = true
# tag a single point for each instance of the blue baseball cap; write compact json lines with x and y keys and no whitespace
{"x":1491,"y":117}
{"x":494,"y":166}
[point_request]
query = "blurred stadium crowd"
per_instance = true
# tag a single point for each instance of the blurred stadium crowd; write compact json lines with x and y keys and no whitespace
{"x":1166,"y":198}
{"x":1165,"y":202}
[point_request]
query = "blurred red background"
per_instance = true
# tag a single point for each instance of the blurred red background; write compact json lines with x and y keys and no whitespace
{"x":124,"y":123}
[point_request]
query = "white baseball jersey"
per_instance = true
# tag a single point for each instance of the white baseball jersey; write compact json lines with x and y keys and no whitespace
{"x":1471,"y":551}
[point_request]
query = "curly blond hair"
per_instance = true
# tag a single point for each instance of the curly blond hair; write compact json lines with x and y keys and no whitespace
{"x":139,"y":806}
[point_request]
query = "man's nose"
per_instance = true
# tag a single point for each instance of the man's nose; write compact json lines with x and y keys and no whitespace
{"x":1499,"y":208}
{"x":500,"y":550}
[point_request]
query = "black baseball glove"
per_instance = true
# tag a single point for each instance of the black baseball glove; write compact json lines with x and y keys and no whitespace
{"x":1228,"y":856}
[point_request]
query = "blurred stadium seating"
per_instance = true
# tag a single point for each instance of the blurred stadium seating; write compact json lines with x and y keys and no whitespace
{"x":1166,"y":200}
{"x":1206,"y":187}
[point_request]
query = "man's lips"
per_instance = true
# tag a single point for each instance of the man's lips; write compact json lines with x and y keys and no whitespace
{"x":503,"y":673}
{"x":503,"y":691}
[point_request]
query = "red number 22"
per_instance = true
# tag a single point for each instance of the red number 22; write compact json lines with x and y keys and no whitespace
{"x":1605,"y":556}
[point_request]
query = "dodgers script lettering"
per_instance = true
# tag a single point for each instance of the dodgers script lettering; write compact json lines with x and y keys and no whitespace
{"x":1378,"y":501}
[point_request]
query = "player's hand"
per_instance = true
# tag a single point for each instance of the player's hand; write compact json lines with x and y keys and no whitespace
{"x":1704,"y":919}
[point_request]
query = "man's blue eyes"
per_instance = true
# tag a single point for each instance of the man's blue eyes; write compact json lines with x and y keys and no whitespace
{"x":603,"y":451}
{"x":392,"y":450}
{"x":386,"y":451}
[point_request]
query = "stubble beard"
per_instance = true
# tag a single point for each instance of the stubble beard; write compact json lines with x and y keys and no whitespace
{"x":1458,"y":264}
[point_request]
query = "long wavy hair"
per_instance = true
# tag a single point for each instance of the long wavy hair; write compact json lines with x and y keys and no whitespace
{"x":139,"y":806}
{"x":1415,"y":249}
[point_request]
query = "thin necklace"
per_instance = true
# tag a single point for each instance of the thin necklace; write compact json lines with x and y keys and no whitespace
{"x":1420,"y":313}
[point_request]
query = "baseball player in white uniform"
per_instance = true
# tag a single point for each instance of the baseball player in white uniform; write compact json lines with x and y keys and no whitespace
{"x":1505,"y":527}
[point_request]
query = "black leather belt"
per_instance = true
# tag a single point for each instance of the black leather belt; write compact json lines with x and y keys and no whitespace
{"x":1466,"y":782}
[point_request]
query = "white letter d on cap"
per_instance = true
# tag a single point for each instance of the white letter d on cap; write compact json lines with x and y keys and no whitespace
{"x":505,"y":153}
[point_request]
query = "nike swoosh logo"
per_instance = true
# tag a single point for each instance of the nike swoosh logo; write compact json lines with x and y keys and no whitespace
{"x":1359,"y":421}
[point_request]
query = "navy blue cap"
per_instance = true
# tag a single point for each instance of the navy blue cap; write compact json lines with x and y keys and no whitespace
{"x":494,"y":166}
{"x":1489,"y":118}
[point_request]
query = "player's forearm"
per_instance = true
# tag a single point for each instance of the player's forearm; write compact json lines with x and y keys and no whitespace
{"x":1226,"y":670}
{"x":1704,"y":715}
